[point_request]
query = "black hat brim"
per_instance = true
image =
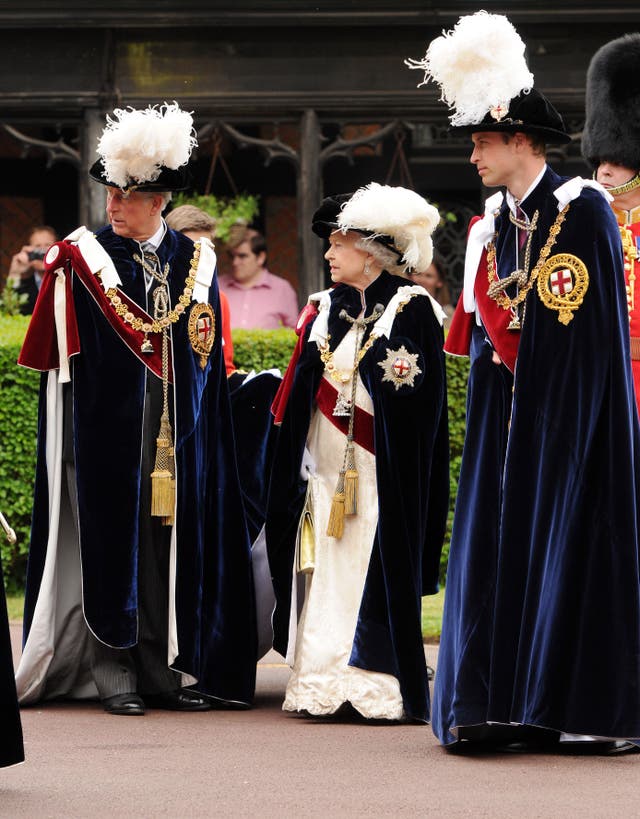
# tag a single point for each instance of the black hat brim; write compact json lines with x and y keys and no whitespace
{"x":169,"y":180}
{"x":549,"y":135}
{"x":530,"y":112}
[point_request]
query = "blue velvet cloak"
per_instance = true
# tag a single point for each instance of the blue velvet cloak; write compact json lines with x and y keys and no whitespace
{"x":542,"y":613}
{"x":412,"y":470}
{"x":214,"y":592}
{"x":11,"y":748}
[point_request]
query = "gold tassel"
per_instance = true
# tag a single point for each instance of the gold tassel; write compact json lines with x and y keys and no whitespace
{"x":350,"y":483}
{"x":163,"y":484}
{"x":162,"y":493}
{"x":335,"y":526}
{"x":351,"y":492}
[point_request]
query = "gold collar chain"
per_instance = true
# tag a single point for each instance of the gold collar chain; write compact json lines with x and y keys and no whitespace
{"x":498,"y":295}
{"x":172,"y":316}
{"x":326,"y":355}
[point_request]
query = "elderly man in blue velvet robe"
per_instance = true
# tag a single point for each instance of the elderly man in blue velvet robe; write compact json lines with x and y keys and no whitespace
{"x":139,"y":581}
{"x":541,"y":633}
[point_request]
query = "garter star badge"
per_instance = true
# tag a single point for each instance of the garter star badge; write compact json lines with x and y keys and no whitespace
{"x":400,"y":367}
{"x":562,"y":282}
{"x":202,"y":330}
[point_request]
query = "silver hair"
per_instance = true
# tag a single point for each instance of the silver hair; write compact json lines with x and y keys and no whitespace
{"x":388,"y":260}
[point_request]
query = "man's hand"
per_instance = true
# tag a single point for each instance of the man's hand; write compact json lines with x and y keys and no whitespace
{"x":21,"y":266}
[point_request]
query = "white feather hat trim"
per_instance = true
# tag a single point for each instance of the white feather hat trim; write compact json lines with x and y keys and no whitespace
{"x":397,"y":212}
{"x":137,"y":144}
{"x":479,"y":66}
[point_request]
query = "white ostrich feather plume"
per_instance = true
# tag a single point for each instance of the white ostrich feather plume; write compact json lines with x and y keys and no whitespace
{"x":478,"y":65}
{"x":397,"y":212}
{"x":137,"y":144}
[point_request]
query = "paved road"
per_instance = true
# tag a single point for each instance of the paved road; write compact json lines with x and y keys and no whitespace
{"x":84,"y":763}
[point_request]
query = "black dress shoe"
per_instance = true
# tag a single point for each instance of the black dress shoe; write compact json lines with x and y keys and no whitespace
{"x":613,"y":747}
{"x":622,"y":746}
{"x":178,"y":700}
{"x":124,"y":705}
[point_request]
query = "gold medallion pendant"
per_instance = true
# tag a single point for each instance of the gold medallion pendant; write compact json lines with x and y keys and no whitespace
{"x":562,"y":283}
{"x":202,"y":330}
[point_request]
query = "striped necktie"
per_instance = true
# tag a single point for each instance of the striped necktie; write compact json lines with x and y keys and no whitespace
{"x":522,"y":234}
{"x":151,"y":258}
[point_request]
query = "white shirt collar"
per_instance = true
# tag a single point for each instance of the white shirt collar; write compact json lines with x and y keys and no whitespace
{"x":158,"y":236}
{"x":511,"y":200}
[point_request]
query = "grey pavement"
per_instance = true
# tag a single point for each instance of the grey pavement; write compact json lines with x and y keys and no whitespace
{"x":82,"y":762}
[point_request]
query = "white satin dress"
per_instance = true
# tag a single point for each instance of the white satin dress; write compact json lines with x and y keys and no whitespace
{"x":321,"y":679}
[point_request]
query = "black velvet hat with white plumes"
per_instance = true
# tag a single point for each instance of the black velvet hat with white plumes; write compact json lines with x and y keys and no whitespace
{"x":612,"y":127}
{"x":484,"y":78}
{"x":145,"y":149}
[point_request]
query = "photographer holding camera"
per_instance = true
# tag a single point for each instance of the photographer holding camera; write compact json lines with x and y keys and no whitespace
{"x":25,"y":272}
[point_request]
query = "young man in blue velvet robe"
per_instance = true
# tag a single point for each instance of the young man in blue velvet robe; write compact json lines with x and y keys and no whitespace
{"x":541,"y":631}
{"x":137,"y":514}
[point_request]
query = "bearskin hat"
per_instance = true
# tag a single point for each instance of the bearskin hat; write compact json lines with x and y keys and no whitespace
{"x":612,"y":128}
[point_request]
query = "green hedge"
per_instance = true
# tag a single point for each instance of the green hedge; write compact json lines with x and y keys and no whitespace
{"x":18,"y":427}
{"x":253,"y":349}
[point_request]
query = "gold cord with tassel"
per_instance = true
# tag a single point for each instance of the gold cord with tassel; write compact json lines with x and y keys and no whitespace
{"x":163,"y":477}
{"x":351,"y":482}
{"x":335,"y":526}
{"x":345,"y":498}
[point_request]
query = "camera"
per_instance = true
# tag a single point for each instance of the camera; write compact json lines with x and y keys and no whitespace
{"x":36,"y":255}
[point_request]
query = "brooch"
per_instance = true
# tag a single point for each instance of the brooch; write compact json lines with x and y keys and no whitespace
{"x":400,"y":367}
{"x":202,"y":330}
{"x":562,"y":283}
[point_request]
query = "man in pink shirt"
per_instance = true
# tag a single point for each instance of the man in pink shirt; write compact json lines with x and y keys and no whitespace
{"x":257,"y":298}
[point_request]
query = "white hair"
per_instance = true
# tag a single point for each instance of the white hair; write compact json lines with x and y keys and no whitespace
{"x":384,"y":256}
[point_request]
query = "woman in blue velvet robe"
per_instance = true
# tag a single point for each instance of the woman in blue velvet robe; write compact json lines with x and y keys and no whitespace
{"x":358,"y":639}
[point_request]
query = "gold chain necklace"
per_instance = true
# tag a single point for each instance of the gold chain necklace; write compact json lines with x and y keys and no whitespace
{"x":151,"y":270}
{"x":326,"y":355}
{"x":343,"y":376}
{"x":630,"y":256}
{"x":497,"y":293}
{"x":171,"y":317}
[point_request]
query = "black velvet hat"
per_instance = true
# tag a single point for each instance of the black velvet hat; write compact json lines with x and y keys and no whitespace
{"x":612,"y":128}
{"x":484,"y":79}
{"x":530,"y":112}
{"x":146,"y":149}
{"x":397,"y":218}
{"x":168,"y":180}
{"x":325,"y":219}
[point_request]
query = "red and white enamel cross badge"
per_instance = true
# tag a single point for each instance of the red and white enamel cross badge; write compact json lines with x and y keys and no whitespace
{"x":400,"y":367}
{"x":202,"y":330}
{"x":563,"y":281}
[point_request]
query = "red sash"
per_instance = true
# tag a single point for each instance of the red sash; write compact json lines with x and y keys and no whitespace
{"x":40,"y":347}
{"x":279,"y":404}
{"x":494,"y":318}
{"x":362,"y":423}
